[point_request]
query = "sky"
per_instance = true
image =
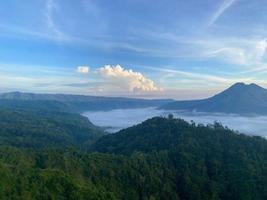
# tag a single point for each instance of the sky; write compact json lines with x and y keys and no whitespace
{"x":181,"y":49}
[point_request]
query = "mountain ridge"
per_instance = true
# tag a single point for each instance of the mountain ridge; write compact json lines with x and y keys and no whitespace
{"x":55,"y":96}
{"x":83,"y":103}
{"x":239,"y":98}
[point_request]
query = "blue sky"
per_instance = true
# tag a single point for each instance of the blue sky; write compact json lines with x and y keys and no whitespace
{"x":139,"y":48}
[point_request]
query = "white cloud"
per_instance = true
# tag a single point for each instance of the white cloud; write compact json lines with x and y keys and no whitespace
{"x":246,"y":53}
{"x":127,"y":80}
{"x":219,"y":12}
{"x":83,"y":69}
{"x":233,"y":55}
{"x":50,"y":7}
{"x":260,"y":49}
{"x":206,"y":79}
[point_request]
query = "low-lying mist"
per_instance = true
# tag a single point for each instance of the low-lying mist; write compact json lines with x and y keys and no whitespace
{"x":115,"y":120}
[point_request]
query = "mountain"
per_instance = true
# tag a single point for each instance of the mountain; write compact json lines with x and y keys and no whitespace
{"x":239,"y":98}
{"x":82,"y":103}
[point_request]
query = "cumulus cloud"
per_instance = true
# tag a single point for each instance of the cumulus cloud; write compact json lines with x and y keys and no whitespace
{"x":127,"y":79}
{"x":83,"y":69}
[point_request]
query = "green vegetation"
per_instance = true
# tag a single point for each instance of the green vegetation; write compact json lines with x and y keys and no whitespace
{"x":44,"y":155}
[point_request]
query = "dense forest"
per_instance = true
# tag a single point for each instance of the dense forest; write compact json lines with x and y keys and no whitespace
{"x":56,"y":154}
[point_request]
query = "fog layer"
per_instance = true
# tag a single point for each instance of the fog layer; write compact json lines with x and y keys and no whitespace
{"x":115,"y":120}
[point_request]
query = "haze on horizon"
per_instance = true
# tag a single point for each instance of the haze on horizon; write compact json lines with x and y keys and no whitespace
{"x":179,"y":49}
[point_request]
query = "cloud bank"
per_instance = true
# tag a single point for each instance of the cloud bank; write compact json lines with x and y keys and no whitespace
{"x":127,"y":79}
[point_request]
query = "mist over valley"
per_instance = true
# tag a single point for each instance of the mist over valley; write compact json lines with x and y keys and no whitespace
{"x":115,"y":120}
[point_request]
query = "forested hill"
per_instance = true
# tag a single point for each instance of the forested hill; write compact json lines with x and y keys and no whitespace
{"x":42,"y":130}
{"x":160,"y":133}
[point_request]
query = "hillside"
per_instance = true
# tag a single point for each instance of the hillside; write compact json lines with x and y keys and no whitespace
{"x":39,"y":130}
{"x":239,"y":98}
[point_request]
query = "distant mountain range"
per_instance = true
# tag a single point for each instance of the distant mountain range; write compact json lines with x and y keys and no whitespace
{"x":240,"y":98}
{"x":82,"y":103}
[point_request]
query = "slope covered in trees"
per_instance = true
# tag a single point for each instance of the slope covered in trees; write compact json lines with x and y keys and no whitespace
{"x":25,"y":128}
